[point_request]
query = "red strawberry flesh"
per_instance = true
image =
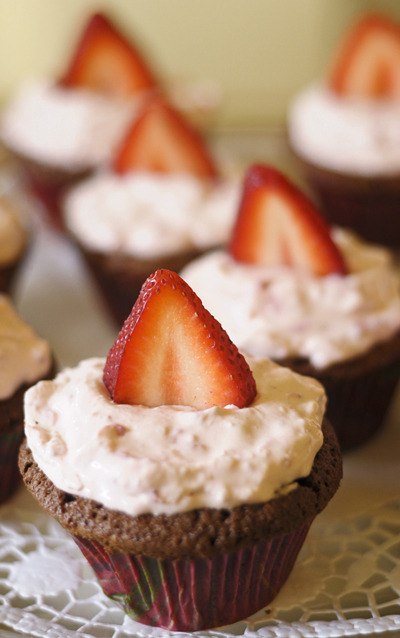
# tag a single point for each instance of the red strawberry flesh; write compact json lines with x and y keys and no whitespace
{"x":367,"y":63}
{"x":162,"y":140}
{"x":171,"y":351}
{"x":106,"y":62}
{"x":278,"y":225}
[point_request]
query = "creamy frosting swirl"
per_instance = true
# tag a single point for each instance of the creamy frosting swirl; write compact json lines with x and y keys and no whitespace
{"x":70,"y":129}
{"x":24,"y":357}
{"x":351,"y":135}
{"x":170,"y":459}
{"x":277,"y":312}
{"x":148,"y":214}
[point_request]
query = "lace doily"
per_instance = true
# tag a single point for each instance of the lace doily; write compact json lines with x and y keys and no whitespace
{"x":346,"y":582}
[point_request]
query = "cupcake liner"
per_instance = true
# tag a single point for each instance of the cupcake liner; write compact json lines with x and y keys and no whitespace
{"x":367,"y":205}
{"x":189,"y":594}
{"x":9,"y":273}
{"x":357,"y":406}
{"x":10,"y":440}
{"x":48,"y":185}
{"x":119,"y":277}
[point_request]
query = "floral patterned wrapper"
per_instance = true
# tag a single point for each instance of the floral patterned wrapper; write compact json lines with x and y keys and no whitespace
{"x":10,"y":440}
{"x":189,"y":594}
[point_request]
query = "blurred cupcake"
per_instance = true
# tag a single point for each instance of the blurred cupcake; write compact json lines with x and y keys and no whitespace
{"x":59,"y":131}
{"x":184,"y":473}
{"x":13,"y":244}
{"x":346,"y":132}
{"x":25,"y":359}
{"x":322,"y":302}
{"x":162,"y":203}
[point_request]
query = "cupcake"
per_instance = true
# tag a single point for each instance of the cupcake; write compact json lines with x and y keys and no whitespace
{"x":183,"y":471}
{"x":25,"y":359}
{"x":319,"y":300}
{"x":13,"y":244}
{"x":59,"y":131}
{"x":162,"y":203}
{"x":346,"y":132}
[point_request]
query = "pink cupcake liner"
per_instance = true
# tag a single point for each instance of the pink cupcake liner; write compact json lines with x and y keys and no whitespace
{"x":189,"y":594}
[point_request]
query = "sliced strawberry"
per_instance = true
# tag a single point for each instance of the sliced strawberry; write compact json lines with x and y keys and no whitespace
{"x":106,"y":62}
{"x":278,"y":225}
{"x":171,"y":351}
{"x":368,"y":61}
{"x":161,"y":140}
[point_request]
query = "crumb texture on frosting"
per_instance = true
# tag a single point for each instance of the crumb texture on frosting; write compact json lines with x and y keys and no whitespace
{"x":172,"y":459}
{"x":279,"y":313}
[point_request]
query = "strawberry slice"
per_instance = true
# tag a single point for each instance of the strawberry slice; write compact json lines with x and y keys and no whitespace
{"x":106,"y":62}
{"x":161,"y":140}
{"x":368,"y":61}
{"x":278,"y":225}
{"x":171,"y":351}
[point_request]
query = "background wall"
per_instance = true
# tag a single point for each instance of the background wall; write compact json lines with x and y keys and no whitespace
{"x":258,"y":51}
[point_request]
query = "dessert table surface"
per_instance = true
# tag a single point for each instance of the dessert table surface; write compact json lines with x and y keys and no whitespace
{"x":346,"y":581}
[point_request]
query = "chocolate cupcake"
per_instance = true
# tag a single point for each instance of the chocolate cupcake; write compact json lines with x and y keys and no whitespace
{"x":318,"y":300}
{"x":162,"y":203}
{"x":345,"y":132}
{"x":60,"y":130}
{"x":13,"y":244}
{"x":25,"y":360}
{"x":180,"y":487}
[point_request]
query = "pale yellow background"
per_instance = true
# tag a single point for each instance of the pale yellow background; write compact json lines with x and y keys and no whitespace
{"x":259,"y":51}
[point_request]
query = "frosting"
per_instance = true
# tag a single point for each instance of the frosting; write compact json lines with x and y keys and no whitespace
{"x":70,"y":129}
{"x":277,"y":312}
{"x":24,"y":357}
{"x":353,"y":135}
{"x":12,"y":234}
{"x":170,"y":459}
{"x":148,"y":214}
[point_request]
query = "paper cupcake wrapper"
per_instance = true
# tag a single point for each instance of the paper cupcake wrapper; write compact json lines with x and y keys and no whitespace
{"x":357,"y":407}
{"x":373,"y":213}
{"x":189,"y":594}
{"x":119,"y":278}
{"x":10,"y":441}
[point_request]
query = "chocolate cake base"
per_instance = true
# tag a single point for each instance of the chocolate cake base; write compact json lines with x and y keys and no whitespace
{"x":183,"y":572}
{"x":367,"y":205}
{"x":11,"y":435}
{"x":359,"y":390}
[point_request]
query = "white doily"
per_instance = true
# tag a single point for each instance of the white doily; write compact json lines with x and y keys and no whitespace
{"x":346,"y":582}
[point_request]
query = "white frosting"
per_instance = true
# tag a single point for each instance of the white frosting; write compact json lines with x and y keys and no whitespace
{"x":24,"y":357}
{"x":277,"y":312}
{"x":69,"y":129}
{"x":148,"y":215}
{"x":351,"y":135}
{"x":174,"y":458}
{"x":12,"y":234}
